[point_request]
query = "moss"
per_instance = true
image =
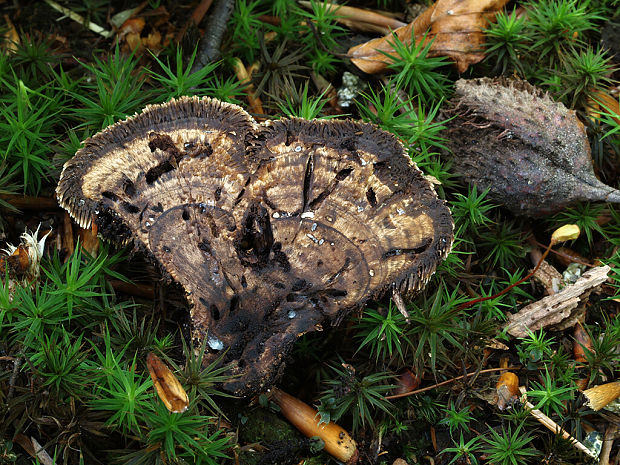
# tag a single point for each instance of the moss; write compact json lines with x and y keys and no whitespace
{"x":265,"y":426}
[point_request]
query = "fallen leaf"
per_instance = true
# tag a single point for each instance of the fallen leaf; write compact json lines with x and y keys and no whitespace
{"x":22,"y":261}
{"x":152,"y":41}
{"x":603,"y":103}
{"x":407,"y":381}
{"x":133,"y":25}
{"x":168,"y":387}
{"x":10,"y":37}
{"x":16,"y":263}
{"x":89,"y":239}
{"x":455,"y":26}
{"x":338,"y":443}
{"x":581,"y":343}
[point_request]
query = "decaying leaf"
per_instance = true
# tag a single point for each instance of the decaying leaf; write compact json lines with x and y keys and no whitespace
{"x":272,"y":229}
{"x":557,"y":310}
{"x":407,"y":381}
{"x":22,"y":262}
{"x":582,"y":342}
{"x":530,"y":152}
{"x":454,"y":26}
{"x":168,"y":387}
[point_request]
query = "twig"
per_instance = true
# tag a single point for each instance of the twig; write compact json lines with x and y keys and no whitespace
{"x":197,"y":15}
{"x":482,"y":299}
{"x":17,"y":363}
{"x":27,"y":202}
{"x":608,"y":440}
{"x":209,"y":48}
{"x":443,"y":383}
{"x":80,"y":19}
{"x":139,"y":290}
{"x":553,"y":426}
{"x":567,"y":256}
{"x":67,"y":235}
{"x":360,"y":19}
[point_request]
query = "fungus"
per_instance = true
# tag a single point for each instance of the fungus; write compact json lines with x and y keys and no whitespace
{"x":272,"y":229}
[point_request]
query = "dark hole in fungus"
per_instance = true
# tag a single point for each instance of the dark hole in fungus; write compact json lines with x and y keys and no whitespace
{"x":298,"y":285}
{"x":110,"y":195}
{"x":343,"y":173}
{"x":349,"y":144}
{"x":372,"y":198}
{"x":185,"y":214}
{"x":215,"y":312}
{"x":416,"y":250}
{"x":234,"y":303}
{"x":293,"y":297}
{"x":154,"y":173}
{"x":130,"y":208}
{"x":129,"y":188}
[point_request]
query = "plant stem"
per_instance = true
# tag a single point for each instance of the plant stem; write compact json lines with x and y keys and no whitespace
{"x":482,"y":299}
{"x":443,"y":383}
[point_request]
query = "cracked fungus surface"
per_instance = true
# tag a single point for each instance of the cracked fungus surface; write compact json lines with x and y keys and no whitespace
{"x":273,"y":230}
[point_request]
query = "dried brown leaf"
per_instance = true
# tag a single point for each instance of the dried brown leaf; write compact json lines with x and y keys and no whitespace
{"x":456,"y":28}
{"x":168,"y":387}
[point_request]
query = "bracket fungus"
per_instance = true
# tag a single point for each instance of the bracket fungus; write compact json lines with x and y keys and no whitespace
{"x":272,"y":229}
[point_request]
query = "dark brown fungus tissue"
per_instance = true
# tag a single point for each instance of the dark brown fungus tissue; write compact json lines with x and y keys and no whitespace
{"x":531,"y":153}
{"x":272,"y":229}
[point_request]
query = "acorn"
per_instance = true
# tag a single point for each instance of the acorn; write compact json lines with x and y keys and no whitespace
{"x":532,"y":153}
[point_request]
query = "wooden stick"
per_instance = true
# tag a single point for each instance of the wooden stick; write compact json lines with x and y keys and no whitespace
{"x":67,"y":235}
{"x":139,"y":290}
{"x":209,"y":48}
{"x":400,"y":303}
{"x":553,"y":426}
{"x":611,"y":433}
{"x":27,"y":202}
{"x":80,"y":19}
{"x":349,"y":15}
